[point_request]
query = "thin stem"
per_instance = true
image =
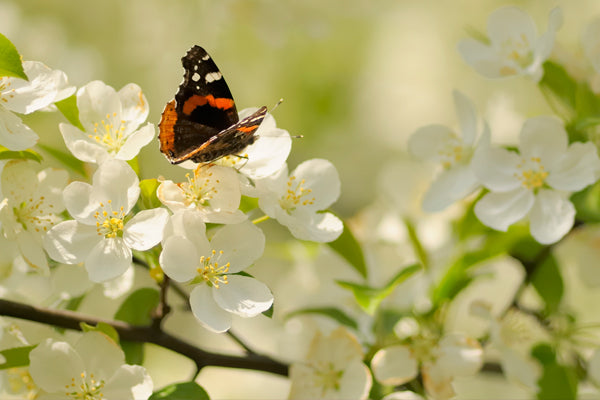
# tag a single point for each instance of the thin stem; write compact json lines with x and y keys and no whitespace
{"x":260,"y":219}
{"x":416,"y":243}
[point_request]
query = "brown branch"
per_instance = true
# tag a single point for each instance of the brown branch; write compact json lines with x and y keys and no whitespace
{"x":144,"y":334}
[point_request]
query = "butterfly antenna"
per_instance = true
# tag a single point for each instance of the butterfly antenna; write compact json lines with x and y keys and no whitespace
{"x":277,"y":104}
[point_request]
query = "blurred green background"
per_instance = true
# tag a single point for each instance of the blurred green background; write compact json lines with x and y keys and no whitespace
{"x":358,"y":76}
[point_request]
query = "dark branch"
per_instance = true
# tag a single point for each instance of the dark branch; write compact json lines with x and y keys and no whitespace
{"x":143,"y":334}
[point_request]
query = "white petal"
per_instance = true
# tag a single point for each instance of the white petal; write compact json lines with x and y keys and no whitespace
{"x":403,"y":395}
{"x":145,"y":229}
{"x":459,"y":355}
{"x":14,"y":134}
{"x":134,"y":106}
{"x":52,"y":182}
{"x":242,"y":244}
{"x":467,"y":115}
{"x":109,"y":259}
{"x":32,"y":252}
{"x":317,"y":227}
{"x":355,"y":383}
{"x":69,"y":281}
{"x":594,"y":368}
{"x":101,"y":355}
{"x":243,"y":296}
{"x":496,"y":168}
{"x":96,"y":101}
{"x":120,"y":285}
{"x":551,"y":217}
{"x":394,"y":365}
{"x":543,"y":137}
{"x":70,"y":242}
{"x":116,"y":181}
{"x":78,"y":203}
{"x":500,"y":210}
{"x":322,"y":178}
{"x":28,"y":96}
{"x":450,"y":186}
{"x":208,"y":311}
{"x":81,"y":146}
{"x":53,"y":364}
{"x":430,"y":142}
{"x":482,"y":58}
{"x":129,"y":382}
{"x":590,"y":41}
{"x":518,"y":368}
{"x":508,"y":22}
{"x":188,"y":223}
{"x":135,"y":141}
{"x":179,"y":258}
{"x":19,"y":181}
{"x":576,"y":169}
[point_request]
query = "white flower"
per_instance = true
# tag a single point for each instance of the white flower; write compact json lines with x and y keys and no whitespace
{"x":99,"y":235}
{"x":514,"y":46}
{"x":31,"y":207}
{"x":110,"y":120}
{"x":213,"y":191}
{"x":439,"y":144}
{"x":590,"y":42}
{"x":439,"y":360}
{"x":536,"y":182}
{"x":211,"y":268}
{"x":332,"y":369}
{"x":92,"y":368}
{"x":44,"y":87}
{"x":295,"y":201}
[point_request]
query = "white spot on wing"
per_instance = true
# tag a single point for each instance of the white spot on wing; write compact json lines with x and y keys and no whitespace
{"x":196,"y":77}
{"x":212,"y":76}
{"x":206,"y":57}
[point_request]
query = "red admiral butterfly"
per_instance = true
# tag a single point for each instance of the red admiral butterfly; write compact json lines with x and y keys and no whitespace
{"x":202,"y":124}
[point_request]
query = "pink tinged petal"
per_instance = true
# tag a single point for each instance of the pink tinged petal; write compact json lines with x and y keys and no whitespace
{"x":179,"y":258}
{"x":322,"y":178}
{"x":482,"y":58}
{"x":145,"y":229}
{"x":317,"y":227}
{"x":511,"y":22}
{"x":394,"y":365}
{"x":14,"y":134}
{"x":100,"y":354}
{"x":576,"y":169}
{"x":551,"y":216}
{"x":500,"y":210}
{"x":467,"y":115}
{"x":459,"y":355}
{"x":81,"y":146}
{"x":76,"y":198}
{"x":135,"y":141}
{"x":496,"y":169}
{"x":134,"y":106}
{"x":450,"y":186}
{"x":189,"y":224}
{"x":109,"y":259}
{"x":70,"y":242}
{"x":243,"y":296}
{"x":129,"y":382}
{"x":95,"y":101}
{"x":543,"y":137}
{"x":430,"y":143}
{"x":40,"y":91}
{"x":116,"y":181}
{"x":242,"y":244}
{"x":207,"y":311}
{"x":53,"y":365}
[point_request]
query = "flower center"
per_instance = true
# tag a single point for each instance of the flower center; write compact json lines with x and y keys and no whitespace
{"x":19,"y":382}
{"x":211,"y":272}
{"x":453,"y":152}
{"x":109,"y":134}
{"x":327,"y":377}
{"x":532,"y":173}
{"x":5,"y":91}
{"x":35,"y":214}
{"x":88,"y":389}
{"x":198,"y":190}
{"x":296,"y":195}
{"x":109,"y":223}
{"x":516,"y":50}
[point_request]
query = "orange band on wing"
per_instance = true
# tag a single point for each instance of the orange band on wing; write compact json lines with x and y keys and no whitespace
{"x":220,"y":102}
{"x":247,"y":129}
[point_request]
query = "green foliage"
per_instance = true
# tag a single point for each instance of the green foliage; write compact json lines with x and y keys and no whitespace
{"x":16,"y":357}
{"x":557,"y":381}
{"x":587,"y":203}
{"x":66,"y":159}
{"x":6,"y":154}
{"x":10,"y":60}
{"x":348,"y":247}
{"x":548,"y":282}
{"x":68,"y":107}
{"x":369,"y":297}
{"x":559,"y":85}
{"x":148,"y":198}
{"x":101,"y":327}
{"x":248,"y":204}
{"x":181,"y":391}
{"x":334,"y":313}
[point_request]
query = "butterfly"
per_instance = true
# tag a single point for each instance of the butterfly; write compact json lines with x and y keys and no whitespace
{"x":201,"y":123}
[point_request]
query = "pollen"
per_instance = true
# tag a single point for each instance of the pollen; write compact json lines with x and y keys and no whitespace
{"x":110,"y":133}
{"x":199,"y":189}
{"x":296,"y":195}
{"x":532,"y":173}
{"x":211,"y":271}
{"x":85,"y":388}
{"x":109,"y":221}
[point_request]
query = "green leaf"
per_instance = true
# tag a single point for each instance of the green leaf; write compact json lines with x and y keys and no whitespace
{"x":587,"y":203}
{"x":248,"y":204}
{"x":16,"y":357}
{"x":548,"y":282}
{"x":68,"y":108}
{"x":331,"y":312}
{"x":348,"y":247}
{"x":66,"y":159}
{"x":181,"y":391}
{"x":137,"y":308}
{"x":558,"y":83}
{"x":134,"y":352}
{"x":10,"y":60}
{"x":101,"y":327}
{"x":369,"y":298}
{"x":6,"y":154}
{"x":269,"y":313}
{"x":557,"y":382}
{"x":148,"y":198}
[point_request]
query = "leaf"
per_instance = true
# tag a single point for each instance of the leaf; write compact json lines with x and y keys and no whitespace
{"x":181,"y":391}
{"x":369,"y":298}
{"x":248,"y":204}
{"x":268,"y":313}
{"x":102,"y":327}
{"x":331,"y":312}
{"x":66,"y":159}
{"x":148,"y":198}
{"x":548,"y":282}
{"x":10,"y":60}
{"x":348,"y":247}
{"x":587,"y":203}
{"x":560,"y":84}
{"x":68,"y":108}
{"x":16,"y":357}
{"x":6,"y":154}
{"x":557,"y":381}
{"x":137,"y":308}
